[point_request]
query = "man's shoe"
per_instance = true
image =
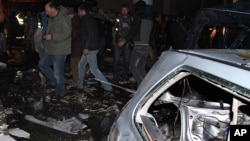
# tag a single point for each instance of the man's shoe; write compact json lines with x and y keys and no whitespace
{"x":126,"y":78}
{"x":132,"y":79}
{"x":56,"y":98}
{"x":80,"y":91}
{"x":107,"y":93}
{"x":115,"y":79}
{"x":50,"y":88}
{"x":73,"y":89}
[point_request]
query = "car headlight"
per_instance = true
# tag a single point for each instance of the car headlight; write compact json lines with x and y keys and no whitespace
{"x":113,"y":134}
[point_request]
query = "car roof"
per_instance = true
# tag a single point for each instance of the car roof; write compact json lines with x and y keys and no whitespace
{"x":231,"y":65}
{"x":235,"y":57}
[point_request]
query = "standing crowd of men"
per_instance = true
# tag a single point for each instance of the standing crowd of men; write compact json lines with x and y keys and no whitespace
{"x":135,"y":38}
{"x":77,"y":35}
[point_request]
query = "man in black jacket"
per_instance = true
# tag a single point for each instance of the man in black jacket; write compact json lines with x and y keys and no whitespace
{"x":76,"y":47}
{"x":139,"y":34}
{"x":90,"y":45}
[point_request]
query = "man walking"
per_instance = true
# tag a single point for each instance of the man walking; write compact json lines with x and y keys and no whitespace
{"x":76,"y":47}
{"x":57,"y":46}
{"x":90,"y":44}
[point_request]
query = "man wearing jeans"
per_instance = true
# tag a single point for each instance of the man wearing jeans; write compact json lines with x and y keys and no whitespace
{"x":139,"y":33}
{"x":90,"y":44}
{"x":57,"y":46}
{"x":121,"y":28}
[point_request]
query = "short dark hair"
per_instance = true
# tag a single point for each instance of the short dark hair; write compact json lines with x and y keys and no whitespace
{"x":53,"y":4}
{"x":83,"y":7}
{"x":124,"y":5}
{"x":140,"y":8}
{"x":140,"y":5}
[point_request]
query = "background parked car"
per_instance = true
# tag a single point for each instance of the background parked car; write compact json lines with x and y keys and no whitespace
{"x":224,"y":26}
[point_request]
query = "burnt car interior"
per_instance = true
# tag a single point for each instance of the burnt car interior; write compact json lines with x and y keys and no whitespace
{"x":193,"y":105}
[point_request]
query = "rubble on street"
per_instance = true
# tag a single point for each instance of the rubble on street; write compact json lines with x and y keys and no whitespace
{"x":28,"y":110}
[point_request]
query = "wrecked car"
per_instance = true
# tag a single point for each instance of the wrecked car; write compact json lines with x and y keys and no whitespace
{"x":188,"y":95}
{"x":193,"y":94}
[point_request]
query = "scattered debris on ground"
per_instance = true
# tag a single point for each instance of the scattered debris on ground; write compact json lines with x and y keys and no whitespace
{"x":28,"y":111}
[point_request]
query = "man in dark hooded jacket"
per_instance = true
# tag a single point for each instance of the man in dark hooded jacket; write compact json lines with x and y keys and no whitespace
{"x":90,"y":47}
